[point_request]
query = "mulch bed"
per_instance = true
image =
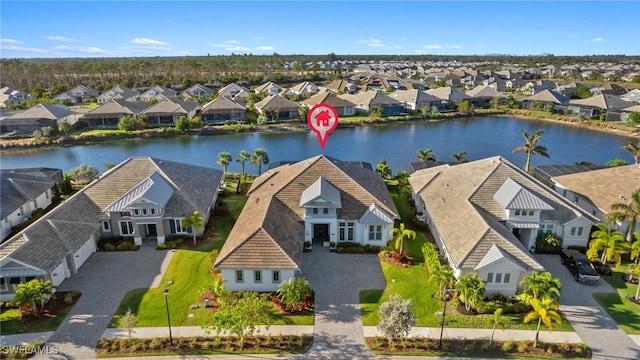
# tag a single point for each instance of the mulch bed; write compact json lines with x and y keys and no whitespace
{"x":51,"y":308}
{"x":202,"y":344}
{"x":632,"y":298}
{"x":403,"y":261}
{"x":475,"y":348}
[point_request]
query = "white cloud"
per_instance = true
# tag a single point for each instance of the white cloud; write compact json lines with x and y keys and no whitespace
{"x":4,"y":47}
{"x":60,"y":38}
{"x":258,"y":37}
{"x":231,"y":41}
{"x":453,"y":46}
{"x":10,"y":41}
{"x":145,"y":41}
{"x":265,"y":48}
{"x":598,"y":39}
{"x":371,"y":42}
{"x":238,"y":48}
{"x":418,"y":51}
{"x":92,"y":50}
{"x":432,"y":47}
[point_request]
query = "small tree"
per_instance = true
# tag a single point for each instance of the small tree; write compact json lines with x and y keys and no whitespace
{"x":609,"y":244}
{"x":195,"y":222}
{"x":258,"y":158}
{"x":470,"y":290}
{"x":29,"y":294}
{"x":465,"y":107}
{"x":183,"y":124}
{"x":396,"y":317}
{"x":443,"y":277}
{"x":224,"y":159}
{"x":384,"y":169}
{"x":242,"y":315}
{"x":129,"y":322}
{"x":541,"y":286}
{"x":497,"y":320}
{"x":293,"y":292}
{"x":83,"y":174}
{"x":545,"y":312}
{"x":399,"y":234}
{"x":64,"y":127}
{"x":131,"y":123}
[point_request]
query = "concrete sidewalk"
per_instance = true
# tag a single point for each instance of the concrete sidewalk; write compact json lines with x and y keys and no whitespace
{"x":190,"y":331}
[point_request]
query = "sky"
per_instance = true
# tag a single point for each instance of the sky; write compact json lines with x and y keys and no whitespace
{"x":93,"y":28}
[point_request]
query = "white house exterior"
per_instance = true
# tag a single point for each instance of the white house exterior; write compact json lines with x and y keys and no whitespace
{"x":485,"y":216}
{"x":318,"y":200}
{"x":142,"y":198}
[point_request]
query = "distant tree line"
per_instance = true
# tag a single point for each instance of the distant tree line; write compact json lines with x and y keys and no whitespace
{"x":57,"y":75}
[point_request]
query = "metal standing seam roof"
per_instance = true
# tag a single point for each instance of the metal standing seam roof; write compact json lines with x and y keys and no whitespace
{"x":153,"y":189}
{"x":494,"y":254}
{"x":512,"y":195}
{"x":321,"y":188}
{"x":375,"y":215}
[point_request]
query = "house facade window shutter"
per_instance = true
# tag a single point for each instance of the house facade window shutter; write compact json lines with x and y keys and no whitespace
{"x":172,"y":226}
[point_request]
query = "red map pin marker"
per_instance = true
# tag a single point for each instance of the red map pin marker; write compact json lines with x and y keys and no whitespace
{"x":322,"y":119}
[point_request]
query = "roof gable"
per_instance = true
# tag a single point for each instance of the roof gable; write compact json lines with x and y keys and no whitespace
{"x":494,"y":255}
{"x":375,"y":215}
{"x":323,"y":191}
{"x":153,"y":189}
{"x":512,"y":195}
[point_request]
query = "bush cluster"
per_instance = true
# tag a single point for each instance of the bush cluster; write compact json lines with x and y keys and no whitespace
{"x":172,"y":242}
{"x":355,"y":248}
{"x":118,"y":243}
{"x":547,"y":243}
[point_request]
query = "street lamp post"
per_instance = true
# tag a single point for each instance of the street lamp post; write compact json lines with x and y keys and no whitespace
{"x":165,"y":292}
{"x":447,"y":297}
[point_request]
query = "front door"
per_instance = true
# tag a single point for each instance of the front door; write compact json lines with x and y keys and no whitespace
{"x":152,"y":230}
{"x":320,"y":233}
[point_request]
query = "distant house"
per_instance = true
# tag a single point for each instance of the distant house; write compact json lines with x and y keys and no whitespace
{"x":343,"y":107}
{"x":157,"y":93}
{"x":36,"y":118}
{"x":367,"y":100}
{"x":21,"y":193}
{"x":595,"y":191}
{"x":77,"y":95}
{"x":222,"y":110}
{"x":237,"y":92}
{"x":545,"y":97}
{"x":169,"y":110}
{"x":484,"y":94}
{"x":110,"y":113}
{"x":415,"y":99}
{"x":197,"y":91}
{"x":342,"y":86}
{"x":318,"y":200}
{"x":304,"y":89}
{"x":117,"y":92}
{"x":284,"y":109}
{"x":142,"y":198}
{"x":449,"y":97}
{"x":10,"y":96}
{"x":485,"y":216}
{"x":269,"y":88}
{"x":592,"y":107}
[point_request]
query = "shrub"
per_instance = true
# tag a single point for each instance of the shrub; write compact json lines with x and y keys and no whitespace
{"x":180,"y":342}
{"x":109,"y":247}
{"x":523,"y":346}
{"x":68,"y":298}
{"x":156,"y":344}
{"x":508,"y":346}
{"x":547,"y":243}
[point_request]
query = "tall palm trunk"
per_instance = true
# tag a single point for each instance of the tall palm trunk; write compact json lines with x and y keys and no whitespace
{"x":535,"y":342}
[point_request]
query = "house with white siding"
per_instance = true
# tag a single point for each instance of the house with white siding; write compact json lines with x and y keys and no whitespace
{"x":485,"y":216}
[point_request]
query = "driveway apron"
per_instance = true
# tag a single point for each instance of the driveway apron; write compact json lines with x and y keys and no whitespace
{"x":337,"y":280}
{"x":103,"y":281}
{"x":590,"y":321}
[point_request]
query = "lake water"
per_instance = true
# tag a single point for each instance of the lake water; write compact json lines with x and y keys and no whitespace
{"x":480,"y":137}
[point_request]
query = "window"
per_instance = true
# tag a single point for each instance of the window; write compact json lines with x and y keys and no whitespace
{"x":518,"y":212}
{"x":144,"y":211}
{"x":135,"y":212}
{"x":125,"y":214}
{"x":345,"y":231}
{"x":507,"y":277}
{"x":239,"y":278}
{"x":257,"y":276}
{"x":325,"y":211}
{"x":498,"y":277}
{"x":35,"y":203}
{"x":531,"y":212}
{"x":175,"y":227}
{"x":549,"y":228}
{"x":573,"y":231}
{"x":375,"y":232}
{"x":46,"y":194}
{"x":3,"y":285}
{"x":580,"y":231}
{"x":106,"y":226}
{"x":276,"y":276}
{"x":126,"y":228}
{"x":490,"y":277}
{"x":153,"y":211}
{"x":315,"y":211}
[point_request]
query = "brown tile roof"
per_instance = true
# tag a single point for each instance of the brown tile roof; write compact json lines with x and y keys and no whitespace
{"x":327,"y":98}
{"x":222,"y":103}
{"x":276,"y":102}
{"x":603,"y":187}
{"x":273,"y":219}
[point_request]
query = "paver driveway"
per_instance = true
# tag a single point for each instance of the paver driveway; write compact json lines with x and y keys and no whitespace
{"x":103,"y":281}
{"x":337,"y":280}
{"x":591,"y":322}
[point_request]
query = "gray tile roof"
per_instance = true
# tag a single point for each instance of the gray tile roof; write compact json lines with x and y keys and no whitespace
{"x":222,"y":103}
{"x":276,"y":102}
{"x":371,"y":98}
{"x":460,"y":201}
{"x":117,"y":107}
{"x":16,"y":189}
{"x":603,"y":101}
{"x":549,"y":96}
{"x":44,"y":243}
{"x":449,"y":93}
{"x":153,"y":189}
{"x":485,"y":91}
{"x":172,"y":106}
{"x":42,"y":111}
{"x":272,"y":215}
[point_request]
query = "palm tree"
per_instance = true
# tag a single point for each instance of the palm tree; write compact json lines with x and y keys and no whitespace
{"x":400,"y":233}
{"x":612,"y":244}
{"x":444,"y":279}
{"x":258,"y":158}
{"x":470,"y":290}
{"x":634,"y":150}
{"x":627,"y":212}
{"x":224,"y":159}
{"x":426,"y":154}
{"x":545,"y":312}
{"x":541,"y":286}
{"x":635,"y":248}
{"x":497,"y":320}
{"x":460,"y":157}
{"x":242,"y":157}
{"x":195,"y":222}
{"x":531,"y":146}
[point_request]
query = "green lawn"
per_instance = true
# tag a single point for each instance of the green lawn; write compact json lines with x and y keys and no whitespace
{"x":625,"y":313}
{"x":10,"y":323}
{"x":189,"y":272}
